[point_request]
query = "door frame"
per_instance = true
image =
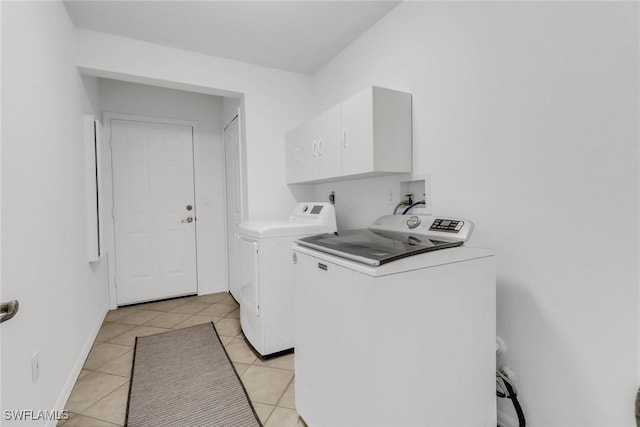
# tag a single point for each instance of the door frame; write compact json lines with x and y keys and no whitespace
{"x":243,"y":192}
{"x":107,"y":118}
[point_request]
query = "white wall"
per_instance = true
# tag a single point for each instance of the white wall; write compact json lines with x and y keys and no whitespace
{"x":206,"y":110}
{"x":274,"y":102}
{"x":526,"y":117}
{"x":62,"y":297}
{"x":91,"y":95}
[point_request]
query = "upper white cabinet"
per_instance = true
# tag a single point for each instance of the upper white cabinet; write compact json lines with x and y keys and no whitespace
{"x":369,"y":134}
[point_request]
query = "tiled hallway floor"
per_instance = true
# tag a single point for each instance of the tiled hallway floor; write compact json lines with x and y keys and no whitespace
{"x":99,"y":397}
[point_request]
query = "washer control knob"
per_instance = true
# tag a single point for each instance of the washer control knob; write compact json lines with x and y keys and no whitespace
{"x":413,"y":221}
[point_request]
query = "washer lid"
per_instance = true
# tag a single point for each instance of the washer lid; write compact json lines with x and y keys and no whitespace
{"x":374,"y":247}
{"x":266,"y":229}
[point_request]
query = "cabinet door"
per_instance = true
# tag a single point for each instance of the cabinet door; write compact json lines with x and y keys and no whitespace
{"x":357,"y":137}
{"x":328,"y":144}
{"x":300,"y":163}
{"x":293,"y":157}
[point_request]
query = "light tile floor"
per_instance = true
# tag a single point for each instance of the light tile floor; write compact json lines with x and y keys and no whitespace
{"x":99,"y":397}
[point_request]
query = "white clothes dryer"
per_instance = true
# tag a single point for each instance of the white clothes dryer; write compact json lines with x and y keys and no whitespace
{"x":266,"y":273}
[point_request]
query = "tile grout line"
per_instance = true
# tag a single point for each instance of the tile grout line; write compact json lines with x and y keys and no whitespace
{"x":100,"y":419}
{"x":105,"y":373}
{"x":284,"y":392}
{"x":97,"y":419}
{"x":270,"y":367}
{"x":268,"y":417}
{"x":113,"y":360}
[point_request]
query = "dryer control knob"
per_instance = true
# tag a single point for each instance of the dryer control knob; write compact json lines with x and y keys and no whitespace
{"x":413,"y":221}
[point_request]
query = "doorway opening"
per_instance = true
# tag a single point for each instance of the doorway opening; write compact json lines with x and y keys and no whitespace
{"x":205,"y":114}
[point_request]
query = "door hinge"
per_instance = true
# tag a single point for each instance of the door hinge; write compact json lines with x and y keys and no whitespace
{"x":113,"y":213}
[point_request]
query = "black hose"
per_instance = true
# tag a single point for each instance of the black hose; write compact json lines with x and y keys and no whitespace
{"x":402,"y":203}
{"x":514,"y":398}
{"x":412,"y":206}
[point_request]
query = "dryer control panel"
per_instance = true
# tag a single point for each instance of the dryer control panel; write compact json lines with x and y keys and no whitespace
{"x":314,"y":212}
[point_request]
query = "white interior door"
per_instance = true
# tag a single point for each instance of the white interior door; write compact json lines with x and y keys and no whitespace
{"x":154,"y":210}
{"x":234,"y":201}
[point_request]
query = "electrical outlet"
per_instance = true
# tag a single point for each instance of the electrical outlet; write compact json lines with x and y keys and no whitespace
{"x":35,"y":367}
{"x":391,"y":197}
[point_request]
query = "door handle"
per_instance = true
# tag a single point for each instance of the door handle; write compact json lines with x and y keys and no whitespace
{"x":8,"y":310}
{"x":187,"y":219}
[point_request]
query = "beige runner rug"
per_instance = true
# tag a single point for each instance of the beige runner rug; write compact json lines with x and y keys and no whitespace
{"x":184,"y":378}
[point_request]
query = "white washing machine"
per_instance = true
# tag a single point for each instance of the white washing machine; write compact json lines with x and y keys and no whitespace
{"x":265,"y":273}
{"x":395,"y":326}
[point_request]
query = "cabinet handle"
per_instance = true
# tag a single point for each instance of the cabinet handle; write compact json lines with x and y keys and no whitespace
{"x":320,"y":146}
{"x":296,"y":153}
{"x":344,"y":138}
{"x":314,"y":148}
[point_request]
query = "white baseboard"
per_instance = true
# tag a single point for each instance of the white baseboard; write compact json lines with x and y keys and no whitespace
{"x":506,"y":421}
{"x":75,"y":372}
{"x":206,"y":290}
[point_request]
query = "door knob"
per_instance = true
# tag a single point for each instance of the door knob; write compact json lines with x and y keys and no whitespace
{"x":187,"y":219}
{"x":189,"y":207}
{"x":8,"y":310}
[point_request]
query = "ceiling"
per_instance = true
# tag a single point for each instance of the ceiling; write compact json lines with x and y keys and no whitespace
{"x":299,"y":36}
